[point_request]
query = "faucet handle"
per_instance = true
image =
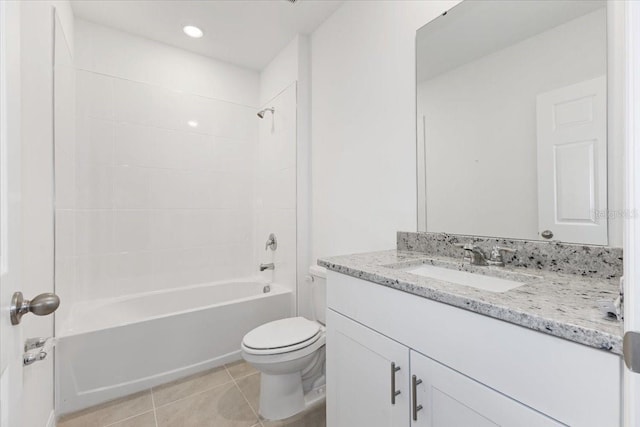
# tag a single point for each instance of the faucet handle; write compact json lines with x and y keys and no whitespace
{"x":465,"y":246}
{"x":272,"y":242}
{"x":497,"y":253}
{"x":473,"y":253}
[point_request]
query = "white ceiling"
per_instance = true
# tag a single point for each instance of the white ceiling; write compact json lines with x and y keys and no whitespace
{"x":244,"y":32}
{"x":474,"y":29}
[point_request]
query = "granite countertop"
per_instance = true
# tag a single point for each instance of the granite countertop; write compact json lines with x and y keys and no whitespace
{"x":562,"y":305}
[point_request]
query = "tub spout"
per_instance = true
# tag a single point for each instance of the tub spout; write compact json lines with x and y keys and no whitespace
{"x":269,"y":266}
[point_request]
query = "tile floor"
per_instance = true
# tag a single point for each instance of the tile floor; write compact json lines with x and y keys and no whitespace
{"x":221,"y":397}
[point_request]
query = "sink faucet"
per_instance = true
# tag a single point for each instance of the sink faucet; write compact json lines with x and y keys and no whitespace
{"x":269,"y":266}
{"x":473,"y":253}
{"x":476,"y":256}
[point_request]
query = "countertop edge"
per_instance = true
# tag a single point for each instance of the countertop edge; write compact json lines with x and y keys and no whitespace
{"x":578,"y":334}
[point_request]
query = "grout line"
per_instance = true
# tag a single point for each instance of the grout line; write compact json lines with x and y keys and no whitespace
{"x":155,"y":407}
{"x":245,"y":397}
{"x":158,"y":85}
{"x":194,"y":394}
{"x":126,"y":419}
{"x":153,"y":402}
{"x":93,"y":409}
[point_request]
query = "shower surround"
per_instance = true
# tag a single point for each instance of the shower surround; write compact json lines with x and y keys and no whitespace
{"x":169,"y":181}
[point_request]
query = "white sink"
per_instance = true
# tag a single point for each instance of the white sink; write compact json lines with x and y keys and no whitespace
{"x":478,"y":281}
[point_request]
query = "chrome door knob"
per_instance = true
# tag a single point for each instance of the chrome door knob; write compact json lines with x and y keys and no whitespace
{"x":41,"y":305}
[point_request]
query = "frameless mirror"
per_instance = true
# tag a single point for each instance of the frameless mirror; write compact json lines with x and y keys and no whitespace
{"x":512,"y":121}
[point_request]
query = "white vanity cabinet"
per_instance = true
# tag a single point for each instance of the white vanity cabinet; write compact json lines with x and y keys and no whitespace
{"x":368,"y":376}
{"x":468,"y":369}
{"x":446,"y":398}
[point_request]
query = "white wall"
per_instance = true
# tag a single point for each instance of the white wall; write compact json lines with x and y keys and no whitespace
{"x":37,"y":46}
{"x":276,"y":189}
{"x":118,"y":54}
{"x":284,"y":141}
{"x":363,"y":124}
{"x":157,"y":203}
{"x":65,"y":170}
{"x":480,"y":120}
{"x":281,"y":72}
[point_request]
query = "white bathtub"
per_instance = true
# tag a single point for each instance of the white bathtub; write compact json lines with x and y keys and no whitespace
{"x":111,"y":348}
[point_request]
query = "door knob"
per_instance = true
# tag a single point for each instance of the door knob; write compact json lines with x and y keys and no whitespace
{"x":41,"y":305}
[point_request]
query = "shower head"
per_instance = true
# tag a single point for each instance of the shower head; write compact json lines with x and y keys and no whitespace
{"x":261,"y":113}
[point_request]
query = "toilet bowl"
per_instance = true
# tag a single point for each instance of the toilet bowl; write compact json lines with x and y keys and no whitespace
{"x":290,"y":355}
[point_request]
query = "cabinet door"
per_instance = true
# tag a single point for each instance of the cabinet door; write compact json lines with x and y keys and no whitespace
{"x":446,"y":398}
{"x":363,"y":388}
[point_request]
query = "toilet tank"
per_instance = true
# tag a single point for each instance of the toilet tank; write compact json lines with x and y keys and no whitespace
{"x":318,"y":280}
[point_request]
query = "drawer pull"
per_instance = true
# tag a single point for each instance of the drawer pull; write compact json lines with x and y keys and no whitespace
{"x":394,"y":392}
{"x":414,"y":391}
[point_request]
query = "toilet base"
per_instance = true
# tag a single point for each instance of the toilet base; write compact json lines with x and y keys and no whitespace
{"x":282,"y":396}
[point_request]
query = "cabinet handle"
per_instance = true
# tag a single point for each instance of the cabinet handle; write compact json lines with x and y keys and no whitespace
{"x":414,"y":391}
{"x":394,"y":392}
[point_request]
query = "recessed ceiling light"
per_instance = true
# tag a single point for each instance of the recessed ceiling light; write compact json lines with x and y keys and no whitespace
{"x":192,"y":31}
{"x":193,"y":123}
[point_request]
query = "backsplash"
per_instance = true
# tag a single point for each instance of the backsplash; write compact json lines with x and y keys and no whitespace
{"x":585,"y":260}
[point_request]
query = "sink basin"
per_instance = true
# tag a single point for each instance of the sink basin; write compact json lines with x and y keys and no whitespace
{"x":474,"y":280}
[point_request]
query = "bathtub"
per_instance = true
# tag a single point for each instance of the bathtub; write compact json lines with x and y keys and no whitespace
{"x":111,"y":348}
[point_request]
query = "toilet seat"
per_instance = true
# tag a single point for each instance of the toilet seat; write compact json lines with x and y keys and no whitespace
{"x":283,"y":336}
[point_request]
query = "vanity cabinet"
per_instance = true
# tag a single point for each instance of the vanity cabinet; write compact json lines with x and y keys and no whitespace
{"x":468,"y":369}
{"x":368,"y":376}
{"x":375,"y":381}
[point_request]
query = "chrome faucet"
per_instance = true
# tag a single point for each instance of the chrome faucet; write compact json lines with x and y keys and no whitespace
{"x":476,"y":256}
{"x":269,"y":266}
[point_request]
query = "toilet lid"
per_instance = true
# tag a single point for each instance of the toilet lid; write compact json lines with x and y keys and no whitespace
{"x":281,"y":333}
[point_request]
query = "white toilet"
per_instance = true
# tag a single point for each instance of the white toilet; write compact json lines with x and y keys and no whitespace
{"x":290,"y":355}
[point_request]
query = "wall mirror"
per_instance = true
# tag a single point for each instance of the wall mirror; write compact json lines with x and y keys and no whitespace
{"x":512,"y":122}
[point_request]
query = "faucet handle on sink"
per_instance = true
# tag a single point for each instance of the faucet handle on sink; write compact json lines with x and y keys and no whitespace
{"x":498,"y":254}
{"x":473,"y":253}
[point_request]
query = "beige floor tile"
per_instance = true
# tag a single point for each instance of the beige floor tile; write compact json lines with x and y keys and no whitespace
{"x":250,"y":387}
{"x":188,"y":386}
{"x":240,"y":369}
{"x":110,"y":412}
{"x":222,"y":406}
{"x":145,"y":420}
{"x":313,"y":417}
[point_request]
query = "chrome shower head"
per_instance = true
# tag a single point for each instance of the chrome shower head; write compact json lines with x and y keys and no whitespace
{"x":261,"y":113}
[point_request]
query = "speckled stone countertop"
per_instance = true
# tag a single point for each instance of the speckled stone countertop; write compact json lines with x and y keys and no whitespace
{"x":562,"y":305}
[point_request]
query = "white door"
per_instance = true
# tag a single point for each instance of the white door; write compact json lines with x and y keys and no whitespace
{"x":445,"y":398}
{"x":572,"y":163}
{"x":10,"y":336}
{"x":367,"y":376}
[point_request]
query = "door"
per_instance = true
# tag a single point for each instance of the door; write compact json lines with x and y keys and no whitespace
{"x":10,"y":336}
{"x":367,"y":376}
{"x":572,"y":163}
{"x":442,"y":397}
